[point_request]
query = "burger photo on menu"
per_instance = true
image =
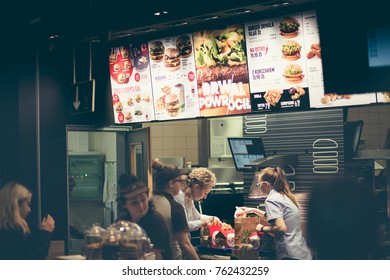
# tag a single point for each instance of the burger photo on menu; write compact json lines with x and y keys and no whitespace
{"x":291,"y":50}
{"x":171,"y":59}
{"x":172,"y":104}
{"x":156,"y":51}
{"x":222,"y":73}
{"x":293,"y":73}
{"x":289,"y":27}
{"x":184,"y":45}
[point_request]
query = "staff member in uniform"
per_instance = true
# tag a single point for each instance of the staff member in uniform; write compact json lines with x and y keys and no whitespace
{"x":282,"y":213}
{"x":168,"y":181}
{"x":140,"y":210}
{"x":200,"y":182}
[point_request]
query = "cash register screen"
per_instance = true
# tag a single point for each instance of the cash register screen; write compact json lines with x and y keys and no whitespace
{"x":245,"y":150}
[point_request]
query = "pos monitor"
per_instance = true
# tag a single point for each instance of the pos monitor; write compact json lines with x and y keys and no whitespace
{"x":245,"y":150}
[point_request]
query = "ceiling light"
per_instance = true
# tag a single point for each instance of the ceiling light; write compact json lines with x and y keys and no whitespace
{"x":145,"y":30}
{"x":178,"y":23}
{"x":159,"y":13}
{"x":121,"y":35}
{"x":54,"y":37}
{"x":276,"y":3}
{"x":240,"y":11}
{"x":207,"y":17}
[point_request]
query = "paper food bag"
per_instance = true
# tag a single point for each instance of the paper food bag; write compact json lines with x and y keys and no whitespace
{"x":244,"y":227}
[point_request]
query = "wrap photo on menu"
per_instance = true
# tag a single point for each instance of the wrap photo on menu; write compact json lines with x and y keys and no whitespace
{"x":222,"y":73}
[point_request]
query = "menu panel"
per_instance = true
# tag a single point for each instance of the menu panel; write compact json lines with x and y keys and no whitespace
{"x":284,"y":62}
{"x":383,"y":97}
{"x":222,"y":73}
{"x":329,"y":100}
{"x":131,"y":84}
{"x":173,"y":77}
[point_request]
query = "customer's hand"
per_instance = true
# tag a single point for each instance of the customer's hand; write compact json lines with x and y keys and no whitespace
{"x":48,"y":223}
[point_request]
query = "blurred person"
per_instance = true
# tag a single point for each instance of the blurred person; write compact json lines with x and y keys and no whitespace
{"x":282,"y":213}
{"x":168,"y":181}
{"x":74,"y":220}
{"x":140,"y":210}
{"x":199,"y":184}
{"x":20,"y":237}
{"x":342,"y":220}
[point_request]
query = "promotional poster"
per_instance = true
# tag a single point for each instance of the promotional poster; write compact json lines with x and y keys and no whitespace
{"x":131,"y":84}
{"x":222,"y":73}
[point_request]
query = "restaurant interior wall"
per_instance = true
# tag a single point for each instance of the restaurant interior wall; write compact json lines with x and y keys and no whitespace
{"x":376,"y":124}
{"x":175,"y":139}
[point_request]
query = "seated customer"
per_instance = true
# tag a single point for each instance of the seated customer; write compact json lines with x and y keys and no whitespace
{"x":342,"y":223}
{"x":20,"y":238}
{"x":140,"y":210}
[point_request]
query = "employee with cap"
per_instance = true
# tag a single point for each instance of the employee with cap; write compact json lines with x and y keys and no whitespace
{"x":140,"y":210}
{"x":168,"y":180}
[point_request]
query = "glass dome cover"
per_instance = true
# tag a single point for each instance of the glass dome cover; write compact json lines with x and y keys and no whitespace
{"x":127,"y":228}
{"x":134,"y":242}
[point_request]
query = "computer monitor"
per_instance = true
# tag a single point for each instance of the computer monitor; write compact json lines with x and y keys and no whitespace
{"x":352,"y":133}
{"x":245,"y":150}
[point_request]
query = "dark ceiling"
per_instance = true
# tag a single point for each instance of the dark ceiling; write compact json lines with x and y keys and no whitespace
{"x":109,"y":20}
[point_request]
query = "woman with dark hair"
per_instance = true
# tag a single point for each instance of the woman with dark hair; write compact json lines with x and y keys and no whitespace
{"x":20,"y":238}
{"x":282,"y":213}
{"x":168,"y":181}
{"x":140,"y":210}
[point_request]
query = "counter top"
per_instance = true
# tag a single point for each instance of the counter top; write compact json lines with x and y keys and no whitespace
{"x":263,"y":254}
{"x":70,"y":257}
{"x":373,"y":154}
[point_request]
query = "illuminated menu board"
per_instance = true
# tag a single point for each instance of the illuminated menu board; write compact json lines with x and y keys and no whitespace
{"x":130,"y":84}
{"x":284,"y":62}
{"x":222,"y":73}
{"x":173,"y":77}
{"x":266,"y":65}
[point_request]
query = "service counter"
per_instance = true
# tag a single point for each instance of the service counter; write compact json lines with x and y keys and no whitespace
{"x":207,"y":253}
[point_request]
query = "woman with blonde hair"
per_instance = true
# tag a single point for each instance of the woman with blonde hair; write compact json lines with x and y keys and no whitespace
{"x":200,"y":182}
{"x":282,"y":213}
{"x":19,"y":237}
